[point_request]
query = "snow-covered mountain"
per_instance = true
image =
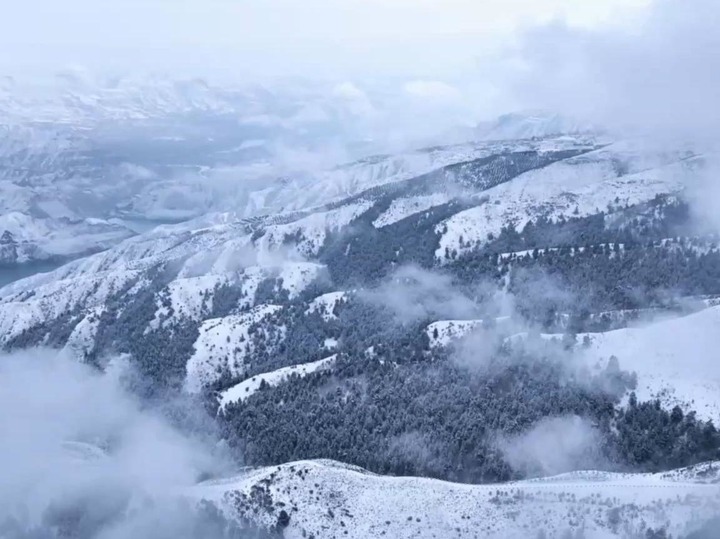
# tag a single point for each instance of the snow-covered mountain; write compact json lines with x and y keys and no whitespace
{"x":28,"y":239}
{"x":156,"y":150}
{"x":324,"y":498}
{"x":328,"y":499}
{"x":412,"y":313}
{"x":477,"y":189}
{"x":231,"y":246}
{"x":672,"y":357}
{"x":533,"y":124}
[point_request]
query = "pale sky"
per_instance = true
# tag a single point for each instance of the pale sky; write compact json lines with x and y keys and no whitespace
{"x":249,"y":38}
{"x":662,"y":77}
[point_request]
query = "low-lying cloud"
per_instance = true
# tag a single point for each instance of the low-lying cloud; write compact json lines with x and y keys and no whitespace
{"x":81,"y":458}
{"x":553,"y":446}
{"x":413,"y":293}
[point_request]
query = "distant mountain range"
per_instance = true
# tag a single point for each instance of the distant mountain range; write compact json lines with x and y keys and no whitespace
{"x":80,"y":157}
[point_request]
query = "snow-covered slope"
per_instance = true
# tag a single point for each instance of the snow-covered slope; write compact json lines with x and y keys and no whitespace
{"x":82,"y":146}
{"x":222,"y":344}
{"x":314,"y":228}
{"x":247,"y":388}
{"x":218,"y":244}
{"x":325,"y":499}
{"x":325,"y":304}
{"x":404,"y":207}
{"x":82,"y":154}
{"x":575,"y":187}
{"x":527,"y":125}
{"x":444,"y":332}
{"x":675,"y":359}
{"x":161,"y":150}
{"x":201,"y":256}
{"x":212,"y":271}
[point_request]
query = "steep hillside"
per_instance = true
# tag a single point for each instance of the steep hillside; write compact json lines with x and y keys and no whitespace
{"x":224,"y":244}
{"x":338,"y":310}
{"x":85,"y":163}
{"x":673,"y":357}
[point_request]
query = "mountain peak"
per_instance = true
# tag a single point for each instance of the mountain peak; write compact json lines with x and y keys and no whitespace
{"x":533,"y":124}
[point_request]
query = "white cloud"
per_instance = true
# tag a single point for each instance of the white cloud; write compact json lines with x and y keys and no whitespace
{"x":413,"y":293}
{"x":75,"y":443}
{"x":661,"y":76}
{"x":355,"y":99}
{"x":274,"y":37}
{"x":68,"y":402}
{"x":349,"y":91}
{"x":553,"y":446}
{"x":433,"y":89}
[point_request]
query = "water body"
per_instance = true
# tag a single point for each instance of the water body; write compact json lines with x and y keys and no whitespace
{"x":10,"y":274}
{"x":140,"y":225}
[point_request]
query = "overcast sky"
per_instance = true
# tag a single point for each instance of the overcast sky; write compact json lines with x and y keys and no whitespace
{"x":619,"y":63}
{"x":661,"y":76}
{"x":259,"y":38}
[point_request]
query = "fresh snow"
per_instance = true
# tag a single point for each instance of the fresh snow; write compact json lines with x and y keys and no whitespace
{"x":223,"y":344}
{"x":186,"y":298}
{"x":297,"y":276}
{"x":448,"y":331}
{"x":328,"y":499}
{"x":574,"y":187}
{"x":402,"y":208}
{"x":675,"y":359}
{"x":247,"y":388}
{"x":326,"y":303}
{"x":700,"y":246}
{"x":88,"y":283}
{"x":208,"y":251}
{"x":312,"y":229}
{"x":55,"y":177}
{"x":535,"y":124}
{"x":47,"y":296}
{"x":82,"y":338}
